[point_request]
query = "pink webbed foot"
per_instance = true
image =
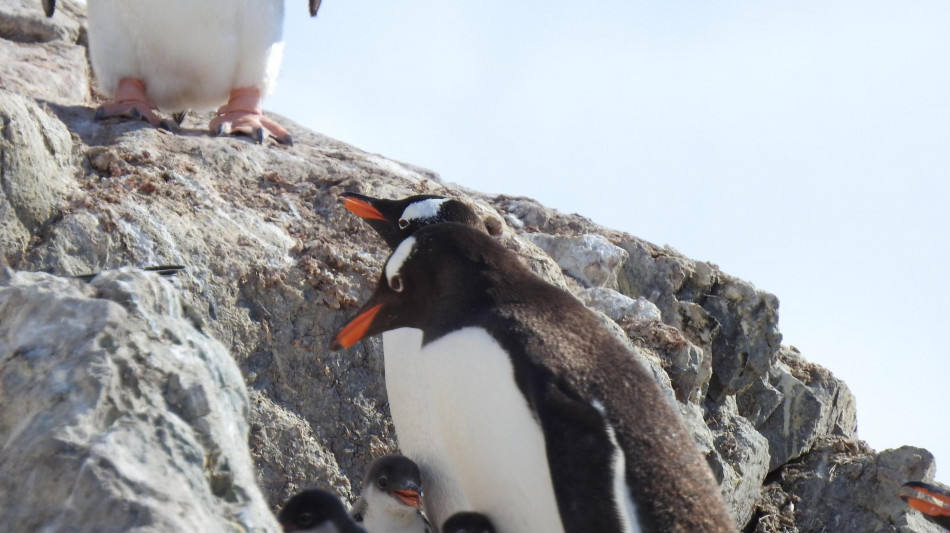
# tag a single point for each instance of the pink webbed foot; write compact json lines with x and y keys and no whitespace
{"x":242,"y":115}
{"x":130,"y":101}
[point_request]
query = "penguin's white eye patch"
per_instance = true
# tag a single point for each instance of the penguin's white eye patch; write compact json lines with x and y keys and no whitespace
{"x":421,"y":210}
{"x":403,"y":223}
{"x":396,"y":260}
{"x":395,"y":283}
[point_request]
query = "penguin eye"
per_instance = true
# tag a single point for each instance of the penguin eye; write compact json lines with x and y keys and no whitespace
{"x":403,"y":223}
{"x":395,"y":283}
{"x":305,"y":519}
{"x":383,"y":482}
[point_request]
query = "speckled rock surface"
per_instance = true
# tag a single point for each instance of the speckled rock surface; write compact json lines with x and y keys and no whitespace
{"x":118,"y":412}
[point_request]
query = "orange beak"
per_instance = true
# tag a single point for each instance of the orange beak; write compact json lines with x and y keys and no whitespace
{"x":362,"y":208}
{"x":409,"y":497}
{"x":356,"y":329}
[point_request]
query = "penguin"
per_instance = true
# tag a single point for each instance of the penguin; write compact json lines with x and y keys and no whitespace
{"x":937,"y":509}
{"x":410,"y":404}
{"x":468,"y":522}
{"x":549,"y":423}
{"x":391,"y":498}
{"x":317,"y":511}
{"x":394,"y":220}
{"x":175,"y":55}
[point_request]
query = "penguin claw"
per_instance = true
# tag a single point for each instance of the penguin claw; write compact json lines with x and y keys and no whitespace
{"x":253,"y":124}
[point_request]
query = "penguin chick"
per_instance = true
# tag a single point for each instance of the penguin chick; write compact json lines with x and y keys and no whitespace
{"x":468,"y":523}
{"x":937,"y":509}
{"x":394,"y":220}
{"x":391,"y":498}
{"x":317,"y":511}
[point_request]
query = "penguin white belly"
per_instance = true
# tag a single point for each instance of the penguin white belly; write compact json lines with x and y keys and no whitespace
{"x":189,"y":53}
{"x":414,"y":417}
{"x":493,"y":441}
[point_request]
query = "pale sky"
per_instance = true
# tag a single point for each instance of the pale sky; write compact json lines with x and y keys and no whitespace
{"x":803,"y":146}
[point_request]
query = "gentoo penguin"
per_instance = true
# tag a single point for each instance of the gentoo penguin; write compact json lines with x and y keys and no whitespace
{"x":318,"y":511}
{"x":936,"y":510}
{"x":391,"y":498}
{"x":410,"y":401}
{"x":468,"y":523}
{"x":394,"y":220}
{"x":550,"y":424}
{"x":185,"y":54}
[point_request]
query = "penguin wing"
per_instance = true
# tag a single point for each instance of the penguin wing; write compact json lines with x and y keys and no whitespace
{"x":314,"y":6}
{"x":49,"y":6}
{"x":425,"y":521}
{"x":582,"y":458}
{"x":359,"y":509}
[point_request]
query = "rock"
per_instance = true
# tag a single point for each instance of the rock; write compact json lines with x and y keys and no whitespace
{"x":619,"y":307}
{"x":36,"y":176}
{"x":590,"y":259}
{"x":738,"y":456}
{"x":823,"y":484}
{"x":796,"y":404}
{"x":44,"y":58}
{"x":730,"y":319}
{"x":118,"y":412}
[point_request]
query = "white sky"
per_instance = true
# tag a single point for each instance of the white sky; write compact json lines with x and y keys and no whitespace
{"x":803,"y":146}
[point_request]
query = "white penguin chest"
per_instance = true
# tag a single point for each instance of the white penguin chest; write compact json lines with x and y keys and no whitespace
{"x":493,"y":442}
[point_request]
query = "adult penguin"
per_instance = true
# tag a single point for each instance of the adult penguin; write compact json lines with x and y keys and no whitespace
{"x":550,"y":424}
{"x":411,"y":403}
{"x":176,"y":55}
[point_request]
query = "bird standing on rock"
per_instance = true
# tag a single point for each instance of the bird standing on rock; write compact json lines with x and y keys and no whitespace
{"x":411,"y":403}
{"x":316,"y":511}
{"x":175,"y":55}
{"x":549,"y":422}
{"x":391,"y":498}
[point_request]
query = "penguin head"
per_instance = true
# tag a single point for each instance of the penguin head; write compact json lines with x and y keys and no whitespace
{"x":315,"y":510}
{"x":432,"y":281}
{"x":468,"y":523}
{"x":394,"y":220}
{"x":394,"y":484}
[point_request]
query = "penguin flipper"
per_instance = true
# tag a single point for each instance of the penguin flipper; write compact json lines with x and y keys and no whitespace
{"x":359,"y":509}
{"x":314,"y":6}
{"x":49,"y":6}
{"x":576,"y":433}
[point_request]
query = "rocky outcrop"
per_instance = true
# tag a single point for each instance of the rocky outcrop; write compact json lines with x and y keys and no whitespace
{"x":119,"y":412}
{"x":164,"y":404}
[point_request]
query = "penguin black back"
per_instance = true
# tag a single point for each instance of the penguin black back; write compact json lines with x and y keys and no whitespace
{"x":394,"y":220}
{"x":590,"y":396}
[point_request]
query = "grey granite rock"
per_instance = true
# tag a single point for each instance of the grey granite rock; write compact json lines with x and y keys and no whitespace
{"x":841,"y":485}
{"x":730,"y":319}
{"x":36,"y":172}
{"x":590,"y":259}
{"x":797,"y":403}
{"x":118,"y":413}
